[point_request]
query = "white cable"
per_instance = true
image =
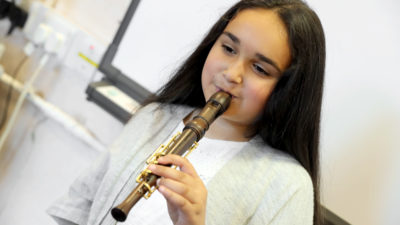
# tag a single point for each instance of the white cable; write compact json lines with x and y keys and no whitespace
{"x":52,"y":42}
{"x":21,"y":99}
{"x":57,"y":114}
{"x":68,"y":122}
{"x":2,"y":50}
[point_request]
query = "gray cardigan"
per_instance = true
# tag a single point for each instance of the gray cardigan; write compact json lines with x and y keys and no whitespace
{"x":259,"y":185}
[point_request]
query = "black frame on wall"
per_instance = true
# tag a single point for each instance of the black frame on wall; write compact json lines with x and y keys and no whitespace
{"x":115,"y":77}
{"x":113,"y":74}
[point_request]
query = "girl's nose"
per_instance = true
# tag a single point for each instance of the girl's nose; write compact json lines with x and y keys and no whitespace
{"x":234,"y":73}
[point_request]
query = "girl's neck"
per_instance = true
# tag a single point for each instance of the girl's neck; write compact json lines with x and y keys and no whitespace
{"x":227,"y":130}
{"x":223,"y":129}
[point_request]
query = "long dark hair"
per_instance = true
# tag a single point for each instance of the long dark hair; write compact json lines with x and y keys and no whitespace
{"x":291,"y":118}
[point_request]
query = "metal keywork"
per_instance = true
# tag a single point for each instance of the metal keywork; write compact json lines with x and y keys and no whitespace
{"x":153,"y":159}
{"x":162,"y":150}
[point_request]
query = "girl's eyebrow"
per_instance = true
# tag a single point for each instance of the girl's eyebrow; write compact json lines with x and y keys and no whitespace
{"x":260,"y":57}
{"x":269,"y":61}
{"x":232,"y":37}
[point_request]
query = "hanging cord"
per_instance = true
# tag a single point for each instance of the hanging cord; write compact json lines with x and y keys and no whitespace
{"x":9,"y":92}
{"x":21,"y":99}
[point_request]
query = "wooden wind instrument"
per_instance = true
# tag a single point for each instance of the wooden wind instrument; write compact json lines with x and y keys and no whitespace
{"x":181,"y":144}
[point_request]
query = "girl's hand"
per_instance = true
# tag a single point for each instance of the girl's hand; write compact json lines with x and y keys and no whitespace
{"x":183,"y":189}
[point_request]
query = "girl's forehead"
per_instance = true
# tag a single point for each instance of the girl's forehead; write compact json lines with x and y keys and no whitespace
{"x":257,"y":15}
{"x":262,"y":31}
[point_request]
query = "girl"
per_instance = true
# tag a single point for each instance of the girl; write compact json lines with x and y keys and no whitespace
{"x":258,"y":163}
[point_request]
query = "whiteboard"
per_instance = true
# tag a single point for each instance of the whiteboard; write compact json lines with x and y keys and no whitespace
{"x":161,"y":35}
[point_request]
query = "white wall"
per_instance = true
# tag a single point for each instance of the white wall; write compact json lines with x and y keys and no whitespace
{"x":361,"y":110}
{"x":100,"y":18}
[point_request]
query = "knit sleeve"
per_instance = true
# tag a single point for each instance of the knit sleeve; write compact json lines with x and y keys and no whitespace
{"x":293,"y":207}
{"x":297,"y":210}
{"x":74,"y":206}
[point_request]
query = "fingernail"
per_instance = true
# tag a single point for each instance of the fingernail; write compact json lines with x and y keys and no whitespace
{"x":152,"y":167}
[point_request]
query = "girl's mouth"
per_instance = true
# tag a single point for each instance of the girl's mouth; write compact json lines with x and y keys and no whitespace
{"x":220,"y":89}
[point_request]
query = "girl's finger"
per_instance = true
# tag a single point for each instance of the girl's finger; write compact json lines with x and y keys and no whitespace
{"x":179,"y":161}
{"x":168,"y":172}
{"x":177,"y":187}
{"x":173,"y":198}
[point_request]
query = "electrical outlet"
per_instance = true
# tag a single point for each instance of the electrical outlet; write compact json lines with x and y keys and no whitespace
{"x":37,"y":15}
{"x":80,"y":51}
{"x":85,"y":53}
{"x":62,"y":26}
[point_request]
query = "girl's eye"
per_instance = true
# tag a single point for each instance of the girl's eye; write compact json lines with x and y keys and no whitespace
{"x":260,"y":69}
{"x":228,"y":49}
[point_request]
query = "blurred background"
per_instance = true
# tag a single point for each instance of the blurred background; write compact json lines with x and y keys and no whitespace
{"x":58,"y":110}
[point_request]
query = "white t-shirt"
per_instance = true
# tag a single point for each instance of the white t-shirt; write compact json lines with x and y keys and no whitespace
{"x":207,"y":159}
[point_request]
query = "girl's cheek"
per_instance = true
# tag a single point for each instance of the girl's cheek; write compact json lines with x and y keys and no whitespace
{"x":216,"y":60}
{"x":256,"y":89}
{"x":258,"y":94}
{"x":213,"y":64}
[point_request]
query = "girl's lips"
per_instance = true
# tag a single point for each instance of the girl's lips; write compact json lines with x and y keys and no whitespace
{"x":220,"y":89}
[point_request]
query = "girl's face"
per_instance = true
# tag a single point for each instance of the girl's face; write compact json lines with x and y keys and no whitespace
{"x":247,"y":61}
